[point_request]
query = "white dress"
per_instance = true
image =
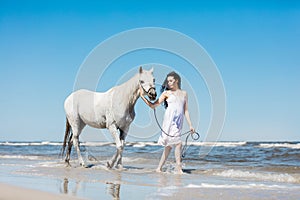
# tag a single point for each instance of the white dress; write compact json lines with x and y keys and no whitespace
{"x":173,"y":120}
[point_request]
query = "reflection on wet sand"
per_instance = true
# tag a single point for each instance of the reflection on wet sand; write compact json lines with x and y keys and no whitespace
{"x":114,"y":190}
{"x":65,"y":187}
{"x":113,"y":187}
{"x":165,"y":180}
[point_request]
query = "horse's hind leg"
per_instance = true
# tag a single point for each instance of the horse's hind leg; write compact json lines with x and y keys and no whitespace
{"x":76,"y":145}
{"x":76,"y":129}
{"x":68,"y":154}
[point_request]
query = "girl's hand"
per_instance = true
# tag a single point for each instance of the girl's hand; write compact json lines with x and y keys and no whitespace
{"x":192,"y":129}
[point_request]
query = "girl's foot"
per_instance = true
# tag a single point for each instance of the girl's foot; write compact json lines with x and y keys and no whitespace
{"x":158,"y":170}
{"x":179,"y":169}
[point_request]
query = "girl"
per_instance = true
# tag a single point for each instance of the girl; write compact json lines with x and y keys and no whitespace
{"x":176,"y":104}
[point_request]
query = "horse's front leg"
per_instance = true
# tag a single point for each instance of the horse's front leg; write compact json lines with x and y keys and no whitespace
{"x":123,"y":135}
{"x":114,"y":131}
{"x":119,"y":157}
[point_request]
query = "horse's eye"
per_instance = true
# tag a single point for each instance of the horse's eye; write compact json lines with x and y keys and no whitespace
{"x":142,"y":82}
{"x":154,"y":80}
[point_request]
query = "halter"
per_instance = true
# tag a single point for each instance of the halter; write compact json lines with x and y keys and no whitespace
{"x":147,"y":92}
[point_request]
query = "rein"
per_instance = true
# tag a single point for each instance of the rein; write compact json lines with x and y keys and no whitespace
{"x":195,"y":136}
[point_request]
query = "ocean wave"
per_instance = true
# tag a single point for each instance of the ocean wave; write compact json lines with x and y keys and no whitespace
{"x":218,"y":144}
{"x":54,"y":164}
{"x":151,"y":143}
{"x":274,"y":177}
{"x":45,"y":143}
{"x":239,"y":186}
{"x":141,"y":144}
{"x":23,"y":157}
{"x":30,"y":143}
{"x":135,"y":144}
{"x":92,"y":144}
{"x":135,"y":160}
{"x":280,"y":145}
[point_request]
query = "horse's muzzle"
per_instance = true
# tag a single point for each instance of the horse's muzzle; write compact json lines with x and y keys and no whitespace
{"x":152,"y":94}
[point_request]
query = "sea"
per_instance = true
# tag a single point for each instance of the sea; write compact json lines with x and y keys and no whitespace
{"x":271,"y":170}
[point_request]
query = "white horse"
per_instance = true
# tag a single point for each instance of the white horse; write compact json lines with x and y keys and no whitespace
{"x":113,"y":110}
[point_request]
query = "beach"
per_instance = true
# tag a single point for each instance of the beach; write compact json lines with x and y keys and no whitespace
{"x":13,"y":192}
{"x":232,"y":170}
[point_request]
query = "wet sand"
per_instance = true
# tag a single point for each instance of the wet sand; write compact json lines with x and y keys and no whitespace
{"x":9,"y":192}
{"x":233,"y":170}
{"x":52,"y":180}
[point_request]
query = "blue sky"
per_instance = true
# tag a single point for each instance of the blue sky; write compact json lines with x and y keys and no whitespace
{"x":255,"y":45}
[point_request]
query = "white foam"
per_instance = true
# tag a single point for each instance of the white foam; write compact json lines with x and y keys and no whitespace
{"x":280,"y":145}
{"x":130,"y":159}
{"x":52,"y":164}
{"x":142,"y":144}
{"x":30,"y":143}
{"x":139,"y":145}
{"x":8,"y":164}
{"x":97,"y":143}
{"x":167,"y":191}
{"x":287,"y":178}
{"x":21,"y":157}
{"x":207,"y":185}
{"x":134,"y":144}
{"x":218,"y":144}
{"x":235,"y":186}
{"x":52,"y":143}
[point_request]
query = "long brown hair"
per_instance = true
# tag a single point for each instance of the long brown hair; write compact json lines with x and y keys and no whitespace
{"x":165,"y":84}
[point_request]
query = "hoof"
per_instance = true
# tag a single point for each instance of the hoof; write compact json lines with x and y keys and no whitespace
{"x":92,"y":158}
{"x":119,"y":166}
{"x":67,"y":163}
{"x":108,"y":165}
{"x":83,"y":165}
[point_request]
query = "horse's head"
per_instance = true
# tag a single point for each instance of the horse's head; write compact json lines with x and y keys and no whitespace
{"x":147,"y":82}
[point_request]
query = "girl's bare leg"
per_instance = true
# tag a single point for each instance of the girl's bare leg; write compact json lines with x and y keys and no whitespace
{"x":163,"y":158}
{"x":178,"y":158}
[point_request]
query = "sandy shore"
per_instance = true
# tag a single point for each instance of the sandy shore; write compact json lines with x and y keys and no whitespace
{"x":132,"y":183}
{"x":49,"y":178}
{"x":9,"y":192}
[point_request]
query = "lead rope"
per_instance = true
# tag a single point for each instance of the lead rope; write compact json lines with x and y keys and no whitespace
{"x":195,"y":136}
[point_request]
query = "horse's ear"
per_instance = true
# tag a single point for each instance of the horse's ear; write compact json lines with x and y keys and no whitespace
{"x":141,"y":69}
{"x":151,"y":70}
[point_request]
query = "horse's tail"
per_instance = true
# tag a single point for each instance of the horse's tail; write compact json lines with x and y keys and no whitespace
{"x":67,"y":136}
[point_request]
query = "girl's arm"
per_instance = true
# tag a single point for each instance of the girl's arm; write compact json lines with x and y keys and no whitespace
{"x":187,"y":114}
{"x":162,"y":97}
